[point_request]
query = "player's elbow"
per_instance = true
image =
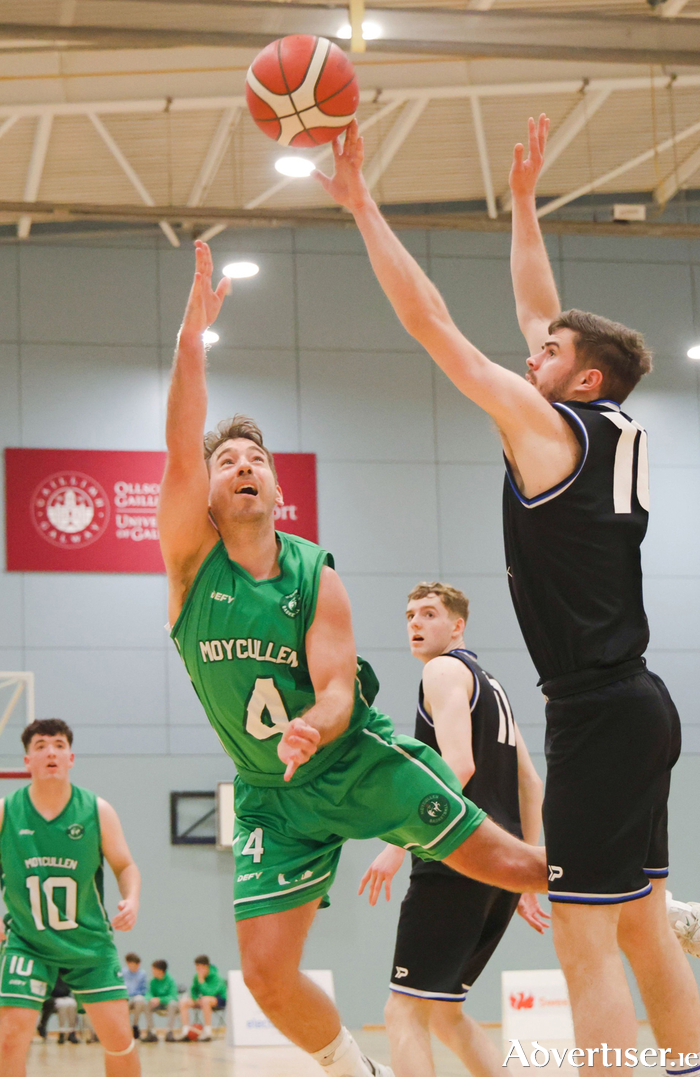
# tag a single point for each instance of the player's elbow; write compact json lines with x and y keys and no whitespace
{"x":426,"y":322}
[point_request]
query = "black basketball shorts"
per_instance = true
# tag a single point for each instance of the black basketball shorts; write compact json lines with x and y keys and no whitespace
{"x":448,"y":928}
{"x":609,"y":753}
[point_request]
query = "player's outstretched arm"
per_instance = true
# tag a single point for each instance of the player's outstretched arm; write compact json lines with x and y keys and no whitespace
{"x":381,"y":871}
{"x":530,"y":797}
{"x":186,"y":533}
{"x":536,"y":298}
{"x":116,"y":853}
{"x":332,"y":659}
{"x":508,"y":398}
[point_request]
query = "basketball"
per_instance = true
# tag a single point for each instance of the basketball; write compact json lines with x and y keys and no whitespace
{"x":302,"y":90}
{"x":194,"y":1032}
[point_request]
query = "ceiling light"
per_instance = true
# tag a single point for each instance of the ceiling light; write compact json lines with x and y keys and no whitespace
{"x":694,"y":352}
{"x":240,"y":270}
{"x":294,"y":166}
{"x":209,"y":336}
{"x":370,"y":31}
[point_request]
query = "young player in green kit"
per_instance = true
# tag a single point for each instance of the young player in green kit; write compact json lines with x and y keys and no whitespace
{"x":263,"y":625}
{"x":53,"y":838}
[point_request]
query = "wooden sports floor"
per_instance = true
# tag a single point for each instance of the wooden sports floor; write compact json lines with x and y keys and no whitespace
{"x":215,"y":1059}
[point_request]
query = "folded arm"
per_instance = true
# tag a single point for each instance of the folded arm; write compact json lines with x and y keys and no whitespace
{"x":332,"y":659}
{"x":186,"y":533}
{"x":536,"y":299}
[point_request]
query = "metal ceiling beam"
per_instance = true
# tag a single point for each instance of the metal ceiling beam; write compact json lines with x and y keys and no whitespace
{"x":673,"y":182}
{"x":545,"y":88}
{"x":35,"y":170}
{"x":565,"y":134}
{"x":131,"y":174}
{"x":214,"y":156}
{"x":478,"y":122}
{"x":390,"y":146}
{"x":626,"y":166}
{"x":524,"y":34}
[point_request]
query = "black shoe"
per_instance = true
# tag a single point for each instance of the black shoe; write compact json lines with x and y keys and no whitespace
{"x":150,"y":1037}
{"x":41,"y":1031}
{"x":61,"y":1037}
{"x":72,"y":1037}
{"x":135,"y":1029}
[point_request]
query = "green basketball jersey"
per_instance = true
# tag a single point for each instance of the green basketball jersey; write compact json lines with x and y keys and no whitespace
{"x":243,"y":643}
{"x":51,"y":879}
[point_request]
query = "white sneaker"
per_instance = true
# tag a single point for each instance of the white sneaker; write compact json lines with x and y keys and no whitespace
{"x":684,"y":918}
{"x":377,"y":1069}
{"x":203,"y":1037}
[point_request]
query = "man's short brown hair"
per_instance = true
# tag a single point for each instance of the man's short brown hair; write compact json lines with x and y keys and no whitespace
{"x":452,"y":598}
{"x":618,"y":352}
{"x":202,"y":959}
{"x":240,"y":426}
{"x":46,"y":727}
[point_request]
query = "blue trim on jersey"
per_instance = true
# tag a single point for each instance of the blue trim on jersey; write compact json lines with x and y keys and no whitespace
{"x":694,"y":1069}
{"x":432,"y":996}
{"x":612,"y":403}
{"x":554,"y":491}
{"x":656,"y":873}
{"x":422,"y":711}
{"x":598,"y":899}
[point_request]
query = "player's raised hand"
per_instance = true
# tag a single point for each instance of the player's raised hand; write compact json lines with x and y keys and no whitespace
{"x":524,"y":172}
{"x":126,"y":917}
{"x":347,"y":185}
{"x":299,"y":742}
{"x":381,"y":871}
{"x":204,"y":302}
{"x":532,"y":913}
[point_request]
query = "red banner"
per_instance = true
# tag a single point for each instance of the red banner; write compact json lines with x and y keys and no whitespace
{"x":81,"y":510}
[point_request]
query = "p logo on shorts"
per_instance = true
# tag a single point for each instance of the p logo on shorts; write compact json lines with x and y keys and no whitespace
{"x":434,"y":809}
{"x":555,"y":872}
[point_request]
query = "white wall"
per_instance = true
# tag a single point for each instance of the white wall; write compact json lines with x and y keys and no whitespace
{"x":409,"y":488}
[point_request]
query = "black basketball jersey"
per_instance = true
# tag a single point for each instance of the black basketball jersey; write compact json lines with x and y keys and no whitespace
{"x":494,"y":784}
{"x":573,"y":552}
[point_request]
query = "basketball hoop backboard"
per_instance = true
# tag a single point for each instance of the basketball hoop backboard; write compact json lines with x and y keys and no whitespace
{"x":15,"y":685}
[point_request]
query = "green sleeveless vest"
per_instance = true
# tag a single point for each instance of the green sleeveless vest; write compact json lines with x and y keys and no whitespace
{"x":51,"y":879}
{"x":243,"y":643}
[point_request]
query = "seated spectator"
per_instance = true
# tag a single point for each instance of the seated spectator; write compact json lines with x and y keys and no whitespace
{"x":161,"y":998}
{"x":61,"y":1002}
{"x":135,"y":984}
{"x":208,"y":992}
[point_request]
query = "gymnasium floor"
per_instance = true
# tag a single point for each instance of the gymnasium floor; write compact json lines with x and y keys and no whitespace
{"x":215,"y":1059}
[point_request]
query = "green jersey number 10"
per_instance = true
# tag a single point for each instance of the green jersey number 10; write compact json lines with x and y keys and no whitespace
{"x":57,"y":920}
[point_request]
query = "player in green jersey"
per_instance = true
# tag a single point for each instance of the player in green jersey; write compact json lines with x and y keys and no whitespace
{"x":53,"y":838}
{"x":264,"y":627}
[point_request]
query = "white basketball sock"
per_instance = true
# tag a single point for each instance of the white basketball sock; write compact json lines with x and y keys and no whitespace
{"x":342,"y":1057}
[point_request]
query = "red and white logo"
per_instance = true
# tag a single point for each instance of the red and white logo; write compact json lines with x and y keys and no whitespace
{"x":70,"y":509}
{"x":521,"y":1001}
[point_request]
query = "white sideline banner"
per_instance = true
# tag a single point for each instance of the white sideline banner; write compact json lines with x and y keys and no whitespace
{"x":535,"y":1006}
{"x":247,"y":1025}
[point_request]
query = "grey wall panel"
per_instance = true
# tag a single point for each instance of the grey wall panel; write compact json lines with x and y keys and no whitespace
{"x":379,"y":608}
{"x":199,"y":739}
{"x":515,"y":671}
{"x":78,"y":609}
{"x":671,"y":416}
{"x":91,"y":397}
{"x":622,"y":248}
{"x":673,"y":608}
{"x":387,"y":406}
{"x":369,"y":515}
{"x":479,"y":295}
{"x":101,"y":300}
{"x":261,"y":383}
{"x":679,"y":671}
{"x":670,"y":548}
{"x":465,"y":433}
{"x":100,"y":686}
{"x":470,"y":518}
{"x":399,"y":675}
{"x":9,"y":292}
{"x":340,"y":305}
{"x":655,"y":299}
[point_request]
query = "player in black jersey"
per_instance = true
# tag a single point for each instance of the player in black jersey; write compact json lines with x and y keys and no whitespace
{"x":449,"y":925}
{"x":576,"y":503}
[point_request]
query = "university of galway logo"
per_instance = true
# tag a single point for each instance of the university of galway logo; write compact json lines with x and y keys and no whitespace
{"x":291,"y":604}
{"x":521,"y":1001}
{"x":75,"y":831}
{"x":70,"y":510}
{"x":434,"y":809}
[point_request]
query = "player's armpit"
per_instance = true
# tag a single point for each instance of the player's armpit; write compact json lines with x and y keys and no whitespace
{"x":186,"y":532}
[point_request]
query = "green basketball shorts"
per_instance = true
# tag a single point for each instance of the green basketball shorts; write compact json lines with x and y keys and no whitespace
{"x":287,"y":841}
{"x":27,"y":980}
